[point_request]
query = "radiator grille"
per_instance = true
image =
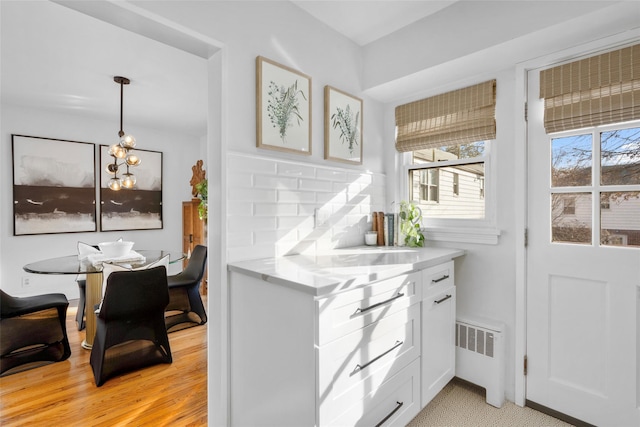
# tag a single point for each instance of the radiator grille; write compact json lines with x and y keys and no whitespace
{"x":475,"y":339}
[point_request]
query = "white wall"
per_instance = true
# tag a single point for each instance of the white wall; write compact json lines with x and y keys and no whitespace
{"x":282,"y":32}
{"x":271,"y":212}
{"x":20,"y":250}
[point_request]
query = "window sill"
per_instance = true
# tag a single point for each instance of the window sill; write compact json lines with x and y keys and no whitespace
{"x":485,"y":236}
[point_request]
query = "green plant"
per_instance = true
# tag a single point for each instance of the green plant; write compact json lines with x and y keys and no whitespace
{"x":202,"y":188}
{"x":410,"y":217}
{"x":282,"y":106}
{"x":348,"y":125}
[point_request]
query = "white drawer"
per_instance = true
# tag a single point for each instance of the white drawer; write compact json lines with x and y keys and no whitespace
{"x":437,"y":278}
{"x":347,"y":312}
{"x":380,"y":349}
{"x":394,"y":403}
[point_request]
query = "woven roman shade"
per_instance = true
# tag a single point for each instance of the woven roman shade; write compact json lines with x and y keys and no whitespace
{"x":593,"y":91}
{"x":462,"y":116}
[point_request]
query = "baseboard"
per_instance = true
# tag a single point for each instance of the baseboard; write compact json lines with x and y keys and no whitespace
{"x":556,"y":414}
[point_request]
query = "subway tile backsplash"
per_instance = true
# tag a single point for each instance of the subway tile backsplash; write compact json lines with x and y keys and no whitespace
{"x":272,"y":204}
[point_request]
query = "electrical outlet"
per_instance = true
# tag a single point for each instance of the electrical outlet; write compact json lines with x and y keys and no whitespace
{"x":321,"y":216}
{"x":26,"y":282}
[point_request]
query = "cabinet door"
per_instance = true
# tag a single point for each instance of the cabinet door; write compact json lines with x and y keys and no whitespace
{"x":438,"y":341}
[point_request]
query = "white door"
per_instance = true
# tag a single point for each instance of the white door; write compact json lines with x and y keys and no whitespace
{"x":583,"y":270}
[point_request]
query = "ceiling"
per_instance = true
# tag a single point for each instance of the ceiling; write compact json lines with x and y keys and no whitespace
{"x":58,"y":59}
{"x":366,"y":21}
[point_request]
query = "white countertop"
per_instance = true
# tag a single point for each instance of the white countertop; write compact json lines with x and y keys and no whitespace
{"x":342,"y":269}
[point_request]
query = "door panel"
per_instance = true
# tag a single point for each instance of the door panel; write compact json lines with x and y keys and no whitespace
{"x":583,"y":287}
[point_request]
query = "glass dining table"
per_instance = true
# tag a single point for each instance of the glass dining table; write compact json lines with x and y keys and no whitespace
{"x":72,"y":265}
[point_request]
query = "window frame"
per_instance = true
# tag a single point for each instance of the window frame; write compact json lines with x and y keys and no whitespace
{"x":482,"y":231}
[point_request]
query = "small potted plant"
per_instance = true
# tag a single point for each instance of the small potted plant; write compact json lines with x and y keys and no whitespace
{"x":410,"y":218}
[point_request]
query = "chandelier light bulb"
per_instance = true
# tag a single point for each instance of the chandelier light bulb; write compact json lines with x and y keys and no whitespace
{"x":128,"y":180}
{"x":115,"y":184}
{"x":117,"y":151}
{"x":128,"y":141}
{"x":133,"y":160}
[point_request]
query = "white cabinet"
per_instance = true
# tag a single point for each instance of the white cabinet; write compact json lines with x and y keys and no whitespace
{"x":438,"y":329}
{"x":364,"y":356}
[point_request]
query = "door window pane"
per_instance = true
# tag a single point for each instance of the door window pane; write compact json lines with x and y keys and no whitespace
{"x":571,"y":218}
{"x":620,"y":157}
{"x":620,"y":221}
{"x":571,"y":161}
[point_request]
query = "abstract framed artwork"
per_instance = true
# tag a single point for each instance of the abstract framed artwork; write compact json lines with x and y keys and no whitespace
{"x":342,"y":126}
{"x":54,"y":186}
{"x":283,"y":108}
{"x":139,"y":208}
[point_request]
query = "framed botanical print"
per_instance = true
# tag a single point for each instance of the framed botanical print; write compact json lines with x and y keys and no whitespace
{"x":139,"y":208}
{"x":283,"y":108}
{"x":54,"y":186}
{"x":342,"y":126}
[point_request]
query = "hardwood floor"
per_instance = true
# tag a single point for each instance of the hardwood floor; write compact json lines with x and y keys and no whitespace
{"x":65,"y":393}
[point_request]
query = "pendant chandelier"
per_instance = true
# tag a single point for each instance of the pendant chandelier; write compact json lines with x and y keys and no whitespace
{"x":122,"y":151}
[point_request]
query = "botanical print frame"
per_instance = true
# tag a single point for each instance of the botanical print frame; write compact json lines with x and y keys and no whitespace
{"x":139,"y":208}
{"x":54,"y":185}
{"x":342,"y":126}
{"x":283,"y":108}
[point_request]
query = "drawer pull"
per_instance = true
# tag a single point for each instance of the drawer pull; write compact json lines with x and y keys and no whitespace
{"x":445,"y":277}
{"x":359,"y":368}
{"x":371,"y":307}
{"x":398,"y":406}
{"x":442,"y":299}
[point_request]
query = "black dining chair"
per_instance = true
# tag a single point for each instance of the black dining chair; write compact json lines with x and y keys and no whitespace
{"x":130,"y":329}
{"x":185,"y":304}
{"x":32,"y":329}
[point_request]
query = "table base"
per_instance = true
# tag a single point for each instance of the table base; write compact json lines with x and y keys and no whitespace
{"x":93,"y":296}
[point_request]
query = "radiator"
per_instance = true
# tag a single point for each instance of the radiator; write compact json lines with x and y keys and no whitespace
{"x":480,"y":356}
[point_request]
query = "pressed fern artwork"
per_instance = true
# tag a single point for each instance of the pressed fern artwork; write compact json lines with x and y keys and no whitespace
{"x":347,"y":123}
{"x":283,"y":108}
{"x":342,"y":126}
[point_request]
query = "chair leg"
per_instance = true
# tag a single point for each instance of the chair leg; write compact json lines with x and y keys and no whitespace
{"x":62,"y":316}
{"x":96,"y":359}
{"x":196,"y":303}
{"x":80,"y":313}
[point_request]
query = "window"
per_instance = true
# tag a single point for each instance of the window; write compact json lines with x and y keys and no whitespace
{"x":429,"y":179}
{"x":569,"y":206}
{"x":448,"y":138}
{"x":596,"y":158}
{"x":599,"y":166}
{"x":448,"y":182}
{"x":456,"y":184}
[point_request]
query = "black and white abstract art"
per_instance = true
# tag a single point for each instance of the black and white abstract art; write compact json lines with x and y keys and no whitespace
{"x":54,"y":187}
{"x":139,"y":208}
